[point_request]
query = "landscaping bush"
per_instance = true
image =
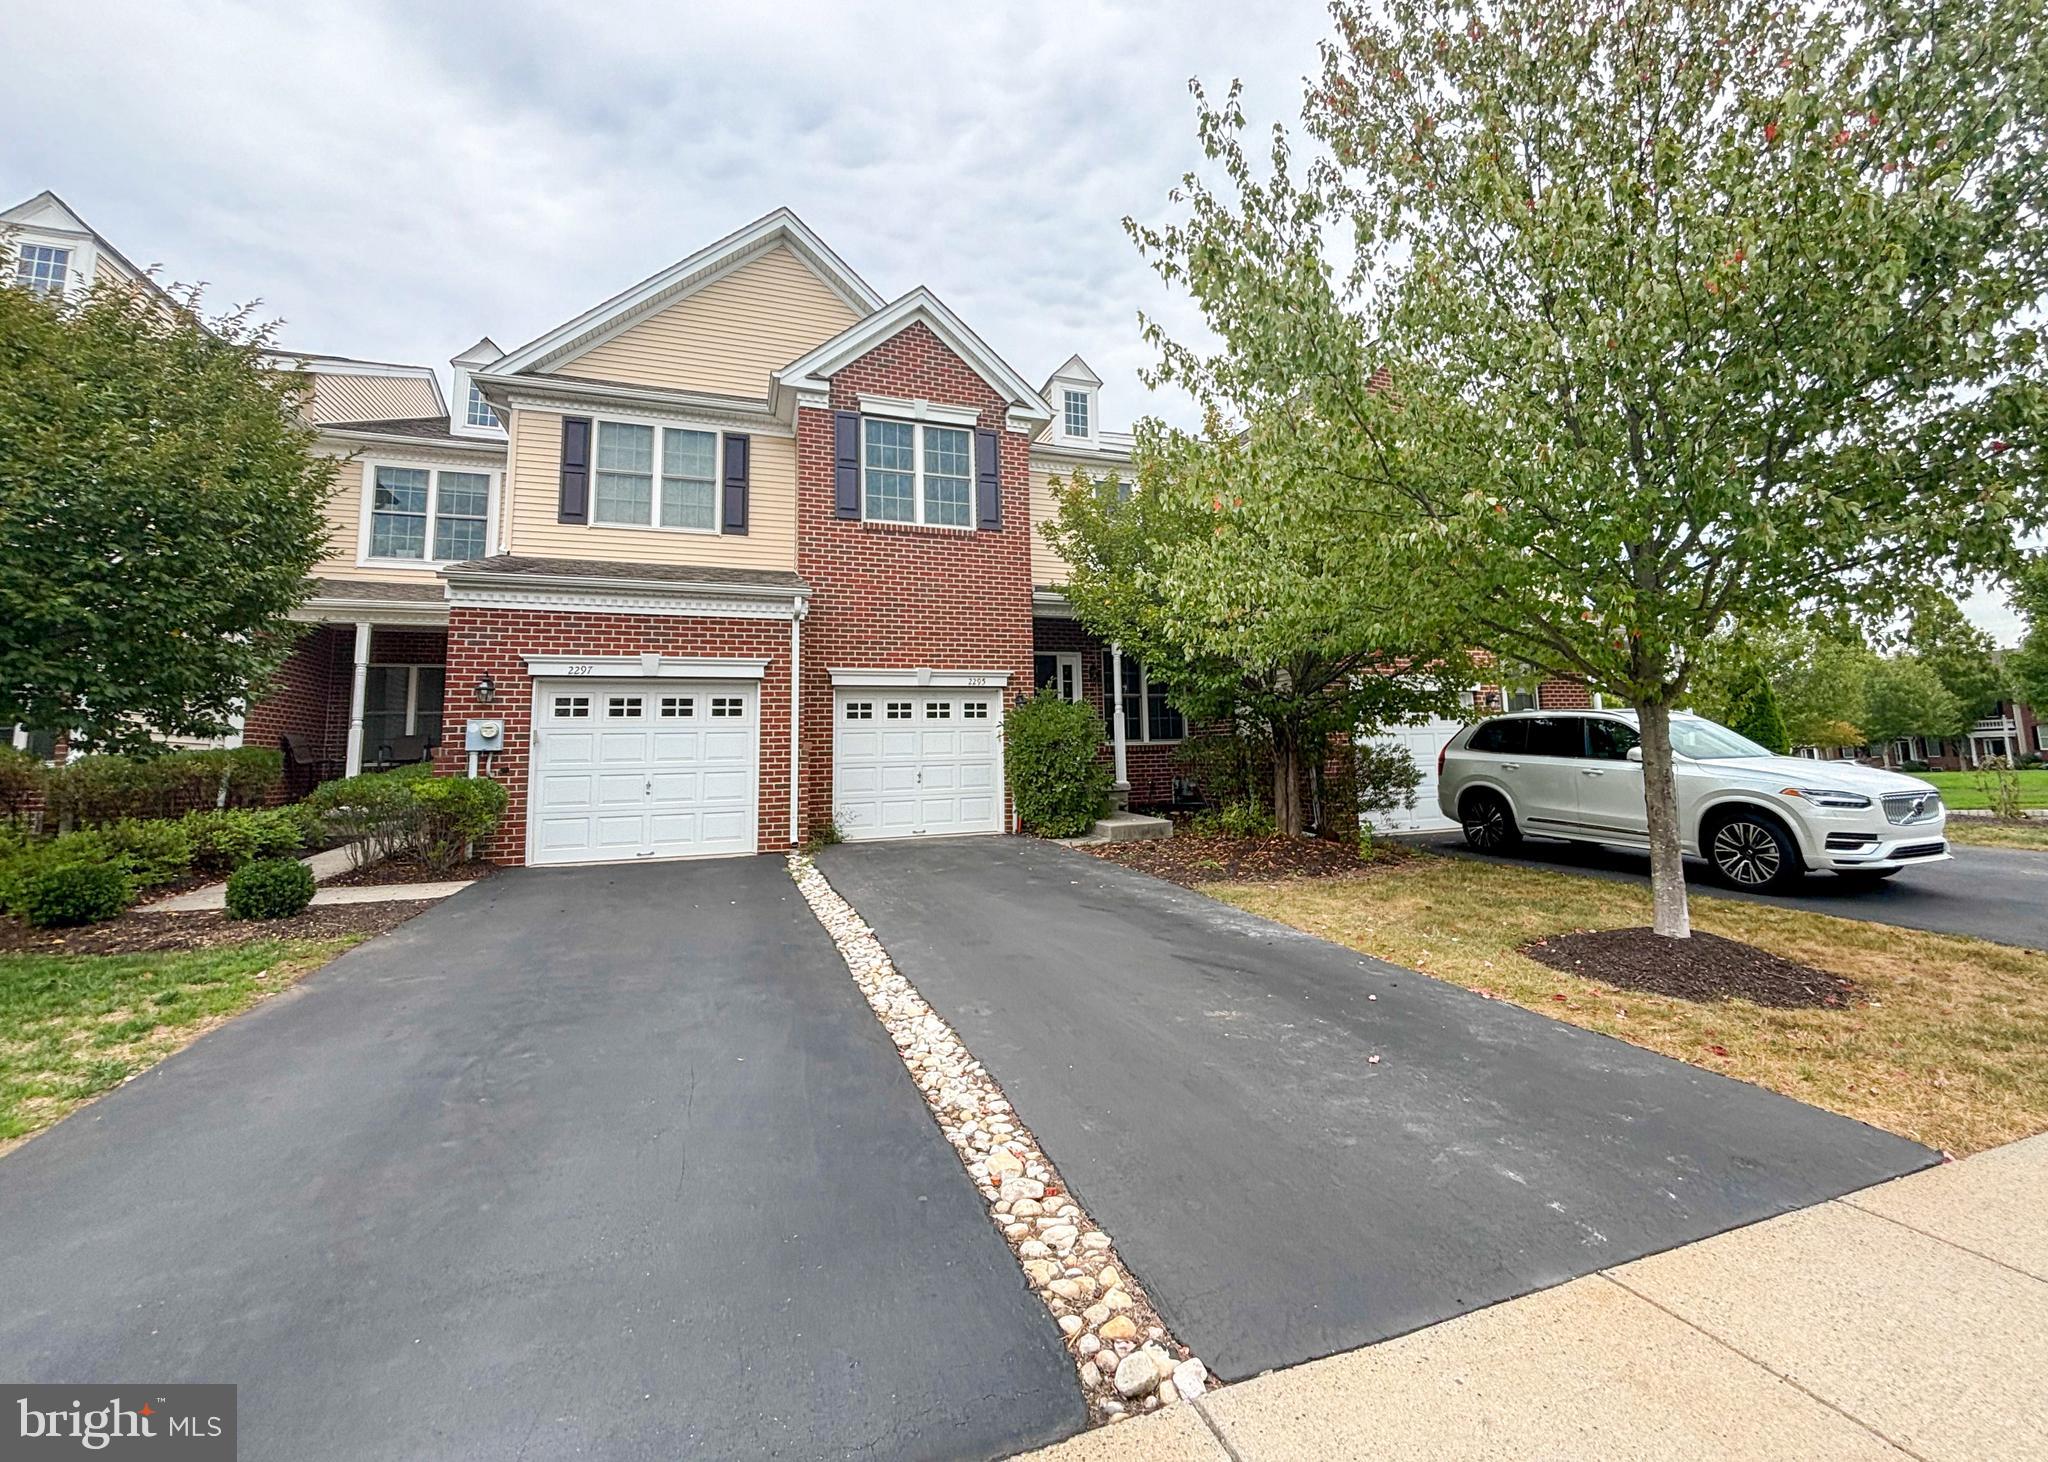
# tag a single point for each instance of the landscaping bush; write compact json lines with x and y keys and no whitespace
{"x":1051,"y":756}
{"x":223,"y":839}
{"x":21,"y":779}
{"x":65,"y":894}
{"x":1233,"y":820}
{"x":409,"y":811}
{"x":151,"y":853}
{"x":1230,"y":765}
{"x":1387,"y":778}
{"x":269,"y":888}
{"x":453,"y":813}
{"x":94,"y":790}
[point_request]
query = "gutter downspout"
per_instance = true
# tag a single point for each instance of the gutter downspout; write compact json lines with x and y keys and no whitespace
{"x":797,"y":614}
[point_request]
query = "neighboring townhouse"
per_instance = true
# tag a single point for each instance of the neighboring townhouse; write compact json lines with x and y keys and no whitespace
{"x":741,"y":552}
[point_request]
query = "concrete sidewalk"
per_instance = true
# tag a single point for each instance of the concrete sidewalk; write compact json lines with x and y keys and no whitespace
{"x":1907,"y":1320}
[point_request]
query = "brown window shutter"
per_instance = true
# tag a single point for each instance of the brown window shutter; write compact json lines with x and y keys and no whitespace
{"x":738,"y":447}
{"x":846,"y":464}
{"x":988,"y":481}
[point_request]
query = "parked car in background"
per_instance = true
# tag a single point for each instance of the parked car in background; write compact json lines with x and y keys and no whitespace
{"x":1759,"y":819}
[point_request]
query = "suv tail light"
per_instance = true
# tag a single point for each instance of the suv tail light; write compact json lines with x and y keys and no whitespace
{"x":1442,"y":752}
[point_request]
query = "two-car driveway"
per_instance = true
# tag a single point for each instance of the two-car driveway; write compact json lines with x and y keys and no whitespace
{"x":611,"y":1162}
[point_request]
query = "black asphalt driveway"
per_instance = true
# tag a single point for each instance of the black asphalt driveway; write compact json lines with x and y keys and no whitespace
{"x":1205,"y":1081}
{"x":609,"y":1162}
{"x":1999,"y":894}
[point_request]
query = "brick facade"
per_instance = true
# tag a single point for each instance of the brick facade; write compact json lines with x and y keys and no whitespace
{"x":892,"y":595}
{"x":494,"y":641}
{"x":1151,"y":766}
{"x":308,"y":699}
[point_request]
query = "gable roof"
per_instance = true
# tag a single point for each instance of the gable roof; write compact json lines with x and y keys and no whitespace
{"x":684,"y":278}
{"x":47,"y":213}
{"x":1073,"y":369}
{"x":920,"y":306}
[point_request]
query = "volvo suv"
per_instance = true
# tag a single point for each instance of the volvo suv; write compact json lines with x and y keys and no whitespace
{"x":1759,"y":819}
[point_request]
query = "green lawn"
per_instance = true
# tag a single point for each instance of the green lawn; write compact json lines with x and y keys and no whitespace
{"x":1962,"y":789}
{"x":73,"y":1026}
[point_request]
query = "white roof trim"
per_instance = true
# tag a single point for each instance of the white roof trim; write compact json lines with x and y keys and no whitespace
{"x":1075,"y":370}
{"x":810,"y":372}
{"x":648,"y":665}
{"x":685,"y":277}
{"x":919,"y":675}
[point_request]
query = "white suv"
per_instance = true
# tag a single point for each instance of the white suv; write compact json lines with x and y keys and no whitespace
{"x":1759,"y":819}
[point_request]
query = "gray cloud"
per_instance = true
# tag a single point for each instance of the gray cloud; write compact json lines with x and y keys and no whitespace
{"x":394,"y":179}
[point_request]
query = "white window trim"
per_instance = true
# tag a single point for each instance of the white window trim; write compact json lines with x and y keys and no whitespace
{"x":1069,"y":662}
{"x":412,"y":690}
{"x":717,"y":528}
{"x":1140,"y":734}
{"x":471,"y":399}
{"x":903,"y":408}
{"x":364,"y":558}
{"x":1088,"y":408}
{"x":70,"y":276}
{"x":917,"y":520}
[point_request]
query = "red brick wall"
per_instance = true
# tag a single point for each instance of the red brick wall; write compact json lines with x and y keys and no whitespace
{"x":1151,"y":766}
{"x":494,"y":640}
{"x":1564,"y":695}
{"x":890,"y":595}
{"x":308,"y":699}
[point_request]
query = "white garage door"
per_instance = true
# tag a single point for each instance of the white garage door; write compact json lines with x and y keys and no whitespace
{"x":916,"y":763}
{"x":1423,"y":743}
{"x":643,"y":769}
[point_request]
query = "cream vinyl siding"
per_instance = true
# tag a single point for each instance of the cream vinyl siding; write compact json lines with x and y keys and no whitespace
{"x":371,"y":398}
{"x":345,"y":515}
{"x":536,"y":476}
{"x":727,"y":336}
{"x":1048,"y":569}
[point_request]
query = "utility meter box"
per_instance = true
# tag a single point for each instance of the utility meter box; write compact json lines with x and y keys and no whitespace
{"x":485,"y":735}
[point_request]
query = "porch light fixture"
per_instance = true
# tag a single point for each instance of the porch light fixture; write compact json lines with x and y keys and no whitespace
{"x":486,"y":689}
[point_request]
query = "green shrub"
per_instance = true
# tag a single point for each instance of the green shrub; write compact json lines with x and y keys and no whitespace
{"x":151,"y":853}
{"x":1052,"y":758}
{"x":93,"y":790}
{"x":223,"y":839}
{"x":64,"y":894}
{"x":21,"y":778}
{"x":409,"y":811}
{"x":453,"y":813}
{"x":269,"y":888}
{"x":1233,"y":820}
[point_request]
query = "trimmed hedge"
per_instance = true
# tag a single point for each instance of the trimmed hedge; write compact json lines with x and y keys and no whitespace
{"x":269,"y":888}
{"x":68,"y":894}
{"x":1051,"y":755}
{"x":410,"y":811}
{"x":94,"y":790}
{"x":223,"y":839}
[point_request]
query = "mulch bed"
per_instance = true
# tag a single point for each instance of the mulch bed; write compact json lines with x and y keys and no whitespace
{"x":1190,"y":860}
{"x":407,"y":870}
{"x":135,"y":933}
{"x":1704,"y":967}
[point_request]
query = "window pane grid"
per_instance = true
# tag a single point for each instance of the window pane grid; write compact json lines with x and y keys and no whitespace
{"x":947,"y":454}
{"x":480,"y":413}
{"x":398,"y":513}
{"x":689,"y":471}
{"x":625,"y":474}
{"x":461,"y":504}
{"x":891,"y":471}
{"x":42,"y":268}
{"x":1077,"y":413}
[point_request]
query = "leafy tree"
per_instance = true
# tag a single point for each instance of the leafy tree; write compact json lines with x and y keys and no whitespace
{"x":1822,"y":682}
{"x":1962,"y":655}
{"x":2027,"y":666}
{"x":1906,"y":698}
{"x":159,"y":512}
{"x":1754,"y":711}
{"x":1647,"y":317}
{"x":1241,"y":608}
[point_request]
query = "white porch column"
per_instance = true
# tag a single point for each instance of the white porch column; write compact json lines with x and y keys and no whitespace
{"x":358,"y":693}
{"x":1118,"y":731}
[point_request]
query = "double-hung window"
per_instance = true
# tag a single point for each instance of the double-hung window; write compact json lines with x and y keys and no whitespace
{"x":479,"y":412}
{"x":651,"y":477}
{"x":1147,"y":714}
{"x":412,"y":508}
{"x":917,"y":472}
{"x":1076,"y":412}
{"x":42,"y":268}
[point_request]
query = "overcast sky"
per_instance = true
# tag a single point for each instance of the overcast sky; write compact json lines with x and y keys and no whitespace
{"x":394,"y":180}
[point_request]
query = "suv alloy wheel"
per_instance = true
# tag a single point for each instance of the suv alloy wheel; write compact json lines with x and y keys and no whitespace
{"x":1750,"y":850}
{"x":1489,"y":825}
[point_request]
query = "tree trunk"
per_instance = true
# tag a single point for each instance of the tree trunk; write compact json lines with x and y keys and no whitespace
{"x":1669,"y":914}
{"x":1287,"y":810}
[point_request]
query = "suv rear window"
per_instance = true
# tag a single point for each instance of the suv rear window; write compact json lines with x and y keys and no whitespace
{"x":1556,"y":736}
{"x":1508,"y":736}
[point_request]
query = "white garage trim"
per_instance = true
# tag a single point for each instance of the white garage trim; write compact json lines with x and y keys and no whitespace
{"x":627,"y":667}
{"x":917,"y":761}
{"x":922,"y":675}
{"x":643,"y":767}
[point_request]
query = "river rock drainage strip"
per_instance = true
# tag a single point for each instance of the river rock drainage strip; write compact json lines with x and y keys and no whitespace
{"x":1126,"y":1359}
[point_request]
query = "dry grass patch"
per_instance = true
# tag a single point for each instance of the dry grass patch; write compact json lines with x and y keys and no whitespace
{"x":1984,"y":833}
{"x":1949,"y":1045}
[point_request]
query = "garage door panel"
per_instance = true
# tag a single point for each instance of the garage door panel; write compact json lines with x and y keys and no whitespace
{"x":656,"y":776}
{"x":915,"y":763}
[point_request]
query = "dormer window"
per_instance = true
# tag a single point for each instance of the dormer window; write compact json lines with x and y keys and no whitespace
{"x":42,"y":268}
{"x":1076,"y":413}
{"x":480,"y":413}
